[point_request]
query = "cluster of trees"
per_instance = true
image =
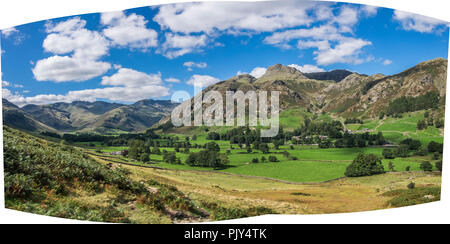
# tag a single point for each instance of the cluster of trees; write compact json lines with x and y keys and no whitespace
{"x":429,"y":121}
{"x":410,"y":104}
{"x":365,"y":165}
{"x":139,"y":150}
{"x":247,"y":136}
{"x":171,"y":157}
{"x":360,"y":140}
{"x":333,"y":129}
{"x":409,"y":145}
{"x":271,"y":159}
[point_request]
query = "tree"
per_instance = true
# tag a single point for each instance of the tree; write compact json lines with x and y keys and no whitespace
{"x":170,"y":157}
{"x":402,"y":151}
{"x":391,"y":167}
{"x":325,"y":143}
{"x":264,"y":148}
{"x":365,"y":165}
{"x":439,"y":165}
{"x":145,"y":158}
{"x":412,"y":144}
{"x":435,"y":147}
{"x":439,"y":123}
{"x":421,"y":124}
{"x":426,"y":166}
{"x":212,"y":146}
{"x":388,"y":153}
{"x":156,"y":151}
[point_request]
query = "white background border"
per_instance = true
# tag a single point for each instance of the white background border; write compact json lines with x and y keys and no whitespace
{"x":18,"y":12}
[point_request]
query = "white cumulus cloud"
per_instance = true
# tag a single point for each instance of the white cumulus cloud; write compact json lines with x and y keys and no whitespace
{"x":415,"y":22}
{"x":177,"y":45}
{"x":307,"y":68}
{"x":128,"y":30}
{"x":65,"y":68}
{"x":256,"y":72}
{"x":211,"y":16}
{"x":202,"y":80}
{"x":126,"y":85}
{"x":131,"y":78}
{"x":83,"y":49}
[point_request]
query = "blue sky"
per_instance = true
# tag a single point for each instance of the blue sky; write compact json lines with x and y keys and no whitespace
{"x":152,"y":52}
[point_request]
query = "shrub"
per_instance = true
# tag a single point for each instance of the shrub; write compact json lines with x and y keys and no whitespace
{"x":255,"y":160}
{"x":273,"y":159}
{"x":426,"y":166}
{"x":365,"y":165}
{"x":411,"y":185}
{"x":408,"y":168}
{"x":388,"y":153}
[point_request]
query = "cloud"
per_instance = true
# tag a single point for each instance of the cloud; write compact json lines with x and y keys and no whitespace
{"x":256,"y":72}
{"x":209,"y":17}
{"x":193,"y":26}
{"x":117,"y":94}
{"x":191,"y":65}
{"x":172,"y":80}
{"x":128,"y":30}
{"x":71,"y":37}
{"x":387,"y":62}
{"x":346,"y":51}
{"x":9,"y":31}
{"x":13,"y":33}
{"x":127,"y":85}
{"x":415,"y":22}
{"x":331,"y":44}
{"x":348,"y":16}
{"x":202,"y":80}
{"x":131,"y":78}
{"x":178,"y":45}
{"x":5,"y":83}
{"x":82,"y":47}
{"x":64,"y":68}
{"x":369,"y":11}
{"x":307,"y":68}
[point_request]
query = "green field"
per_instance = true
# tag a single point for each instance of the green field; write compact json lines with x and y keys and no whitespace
{"x":313,"y":164}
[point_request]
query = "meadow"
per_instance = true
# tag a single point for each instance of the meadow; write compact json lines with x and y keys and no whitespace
{"x":301,"y":163}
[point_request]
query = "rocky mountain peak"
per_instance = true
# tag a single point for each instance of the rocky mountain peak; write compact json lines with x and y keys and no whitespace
{"x":279,"y":68}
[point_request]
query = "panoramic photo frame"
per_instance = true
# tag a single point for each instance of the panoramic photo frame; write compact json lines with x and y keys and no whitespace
{"x":199,"y":112}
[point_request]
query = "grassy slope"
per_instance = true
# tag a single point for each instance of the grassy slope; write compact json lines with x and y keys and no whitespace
{"x":56,"y":180}
{"x":344,"y":195}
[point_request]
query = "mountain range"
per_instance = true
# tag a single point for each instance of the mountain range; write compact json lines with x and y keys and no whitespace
{"x":80,"y":116}
{"x":341,"y":92}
